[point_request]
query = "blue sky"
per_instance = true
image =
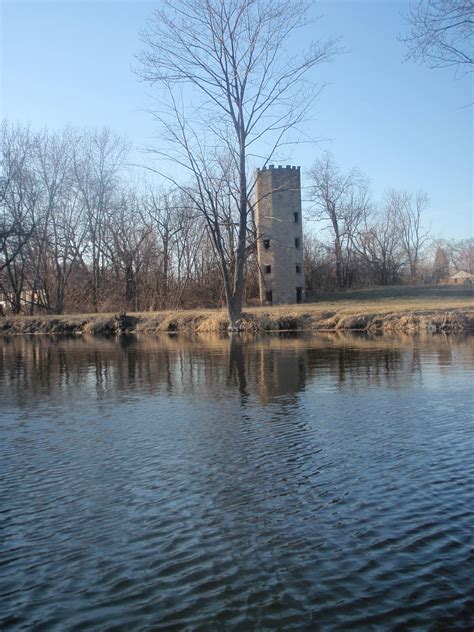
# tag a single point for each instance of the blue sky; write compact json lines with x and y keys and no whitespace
{"x":404,"y":125}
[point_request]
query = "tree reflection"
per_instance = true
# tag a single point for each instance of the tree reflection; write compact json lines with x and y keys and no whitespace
{"x":272,"y":367}
{"x":236,"y":374}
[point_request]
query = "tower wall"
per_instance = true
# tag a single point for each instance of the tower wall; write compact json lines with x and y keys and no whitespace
{"x":278,"y":199}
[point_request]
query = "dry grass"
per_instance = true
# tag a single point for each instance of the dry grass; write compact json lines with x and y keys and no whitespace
{"x":382,"y":309}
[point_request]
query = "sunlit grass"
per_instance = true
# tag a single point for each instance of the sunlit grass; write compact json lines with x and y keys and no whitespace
{"x":378,"y":309}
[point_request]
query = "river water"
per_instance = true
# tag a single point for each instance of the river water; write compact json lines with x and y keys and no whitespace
{"x":292,"y":483}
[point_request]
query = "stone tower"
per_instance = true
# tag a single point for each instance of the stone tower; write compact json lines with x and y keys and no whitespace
{"x":279,"y":235}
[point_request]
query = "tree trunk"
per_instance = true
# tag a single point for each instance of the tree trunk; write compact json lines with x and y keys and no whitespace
{"x":234,"y":310}
{"x":235,"y":306}
{"x":338,"y":253}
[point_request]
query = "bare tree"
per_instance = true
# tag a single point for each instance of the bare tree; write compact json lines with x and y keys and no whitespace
{"x":19,"y":212}
{"x":18,"y":192}
{"x":166,"y":214}
{"x":442,"y":33}
{"x":97,"y":161}
{"x":189,"y":244}
{"x":378,"y":243}
{"x":126,"y":243}
{"x":440,"y":264}
{"x":60,"y":237}
{"x":465,"y":255}
{"x":341,"y":202}
{"x":229,"y":53}
{"x":460,"y":253}
{"x":408,"y":211}
{"x":319,"y":266}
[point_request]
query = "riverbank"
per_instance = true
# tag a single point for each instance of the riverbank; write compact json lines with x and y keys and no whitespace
{"x":376,"y":311}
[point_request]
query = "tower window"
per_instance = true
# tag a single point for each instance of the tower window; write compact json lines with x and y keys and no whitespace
{"x":298,"y":268}
{"x":297,"y":242}
{"x":268,"y":269}
{"x":266,"y":244}
{"x":269,"y":296}
{"x":299,"y":294}
{"x":296,"y":217}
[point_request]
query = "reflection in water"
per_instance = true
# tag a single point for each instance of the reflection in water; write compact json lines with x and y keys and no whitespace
{"x":271,"y":367}
{"x":282,"y":482}
{"x":237,"y":364}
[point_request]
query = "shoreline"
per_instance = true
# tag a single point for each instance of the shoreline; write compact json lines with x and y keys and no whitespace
{"x":304,"y":318}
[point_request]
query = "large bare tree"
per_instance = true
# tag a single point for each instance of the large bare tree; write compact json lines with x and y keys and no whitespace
{"x":228,"y":59}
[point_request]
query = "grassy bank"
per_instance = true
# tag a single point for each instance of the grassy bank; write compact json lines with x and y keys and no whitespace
{"x":444,"y":308}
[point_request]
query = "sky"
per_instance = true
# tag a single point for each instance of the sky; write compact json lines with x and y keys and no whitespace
{"x":403,"y":124}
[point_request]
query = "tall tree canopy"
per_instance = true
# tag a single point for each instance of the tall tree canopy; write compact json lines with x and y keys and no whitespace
{"x":229,"y":86}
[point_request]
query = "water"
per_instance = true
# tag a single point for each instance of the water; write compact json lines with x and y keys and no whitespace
{"x":303,"y":483}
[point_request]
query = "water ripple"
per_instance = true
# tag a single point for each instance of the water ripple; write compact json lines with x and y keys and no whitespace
{"x":296,"y":485}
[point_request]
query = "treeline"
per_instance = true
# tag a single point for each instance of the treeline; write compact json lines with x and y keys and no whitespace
{"x":437,"y":262}
{"x":373,"y":243}
{"x":77,"y":236}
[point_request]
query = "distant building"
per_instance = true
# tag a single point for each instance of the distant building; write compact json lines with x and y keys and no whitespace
{"x":461,"y":278}
{"x":279,"y":235}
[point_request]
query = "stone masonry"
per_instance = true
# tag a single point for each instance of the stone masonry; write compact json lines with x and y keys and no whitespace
{"x":279,"y":235}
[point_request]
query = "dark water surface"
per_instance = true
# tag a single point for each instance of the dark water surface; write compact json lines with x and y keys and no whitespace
{"x":307,"y":483}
